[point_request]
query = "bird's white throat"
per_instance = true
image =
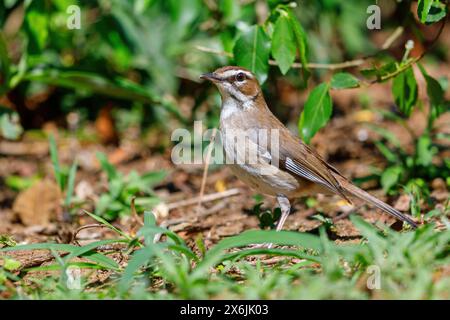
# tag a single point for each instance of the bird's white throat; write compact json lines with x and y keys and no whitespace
{"x":230,"y":107}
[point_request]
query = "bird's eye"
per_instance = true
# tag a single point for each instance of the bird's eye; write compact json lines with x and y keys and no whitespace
{"x":240,"y":77}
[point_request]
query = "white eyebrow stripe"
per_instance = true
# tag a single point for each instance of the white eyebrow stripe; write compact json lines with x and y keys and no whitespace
{"x":230,"y":73}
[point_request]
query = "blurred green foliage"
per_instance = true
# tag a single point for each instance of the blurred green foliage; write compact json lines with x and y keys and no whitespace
{"x":143,"y":52}
{"x":143,"y":56}
{"x":123,"y":188}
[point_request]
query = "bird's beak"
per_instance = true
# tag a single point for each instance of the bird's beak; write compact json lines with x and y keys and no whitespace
{"x":211,"y":77}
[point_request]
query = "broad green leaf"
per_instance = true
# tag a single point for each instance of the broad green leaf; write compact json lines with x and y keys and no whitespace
{"x":283,"y":44}
{"x":36,"y":24}
{"x":431,"y":11}
{"x":390,"y":177}
{"x":423,"y":8}
{"x":435,"y":94}
{"x":344,"y":80}
{"x":316,"y":113}
{"x":437,"y":12}
{"x":252,"y":50}
{"x":302,"y":44}
{"x":404,"y":89}
{"x":380,"y":72}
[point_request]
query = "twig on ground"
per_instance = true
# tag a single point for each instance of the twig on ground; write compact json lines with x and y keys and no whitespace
{"x":205,"y":170}
{"x":134,"y":212}
{"x":207,"y":198}
{"x":88,"y":226}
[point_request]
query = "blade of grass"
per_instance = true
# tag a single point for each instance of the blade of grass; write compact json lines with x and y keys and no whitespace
{"x":71,"y":184}
{"x":217,"y":253}
{"x":80,"y":251}
{"x":54,"y":267}
{"x":109,"y":225}
{"x":55,"y":162}
{"x":275,"y":252}
{"x":42,"y":246}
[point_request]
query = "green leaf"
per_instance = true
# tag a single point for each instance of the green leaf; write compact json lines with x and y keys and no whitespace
{"x":102,"y":260}
{"x":11,"y":264}
{"x":4,"y":65}
{"x":7,"y":241}
{"x":423,"y":8}
{"x":283,"y":44}
{"x":390,"y":155}
{"x":111,"y":172}
{"x":437,"y":12}
{"x":55,"y":162}
{"x":386,"y":134}
{"x":138,"y":259}
{"x":252,"y":50}
{"x":431,"y":11}
{"x":344,"y":80}
{"x":231,"y":10}
{"x":390,"y":177}
{"x":302,"y":44}
{"x":87,"y":249}
{"x":435,"y":94}
{"x":42,"y":246}
{"x":404,"y":89}
{"x":289,"y":238}
{"x":107,"y":224}
{"x":36,"y":24}
{"x":316,"y":113}
{"x":425,"y":151}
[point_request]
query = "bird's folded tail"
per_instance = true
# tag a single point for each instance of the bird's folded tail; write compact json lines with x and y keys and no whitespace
{"x":353,"y":190}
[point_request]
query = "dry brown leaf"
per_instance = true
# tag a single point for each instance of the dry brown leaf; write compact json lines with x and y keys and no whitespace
{"x":402,"y":203}
{"x":38,"y":204}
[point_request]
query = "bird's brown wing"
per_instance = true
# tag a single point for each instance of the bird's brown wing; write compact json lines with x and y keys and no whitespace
{"x":299,"y":159}
{"x":305,"y":162}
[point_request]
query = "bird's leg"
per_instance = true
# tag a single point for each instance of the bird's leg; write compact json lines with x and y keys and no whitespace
{"x":285,"y":207}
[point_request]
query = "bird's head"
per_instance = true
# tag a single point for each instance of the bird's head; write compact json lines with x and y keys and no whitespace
{"x":235,"y":83}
